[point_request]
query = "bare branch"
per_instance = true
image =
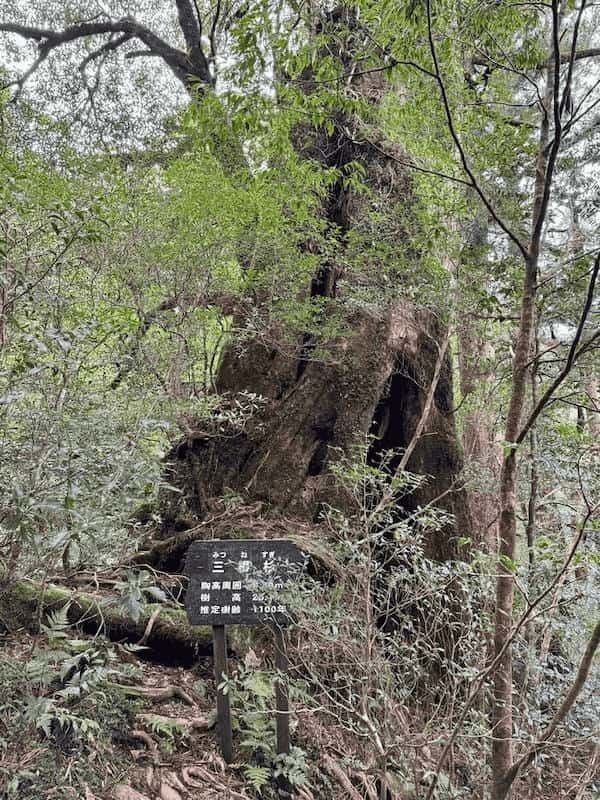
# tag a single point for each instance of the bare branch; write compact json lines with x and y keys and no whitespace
{"x":571,"y":60}
{"x":575,"y":352}
{"x":547,"y":157}
{"x":213,"y":31}
{"x":48,"y":40}
{"x":140,"y":54}
{"x":565,"y":58}
{"x":107,"y":47}
{"x":458,"y":144}
{"x":410,"y":164}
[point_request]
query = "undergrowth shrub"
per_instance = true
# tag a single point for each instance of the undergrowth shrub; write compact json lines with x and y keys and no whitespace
{"x":252,"y":697}
{"x":389,"y":651}
{"x":63,"y":707}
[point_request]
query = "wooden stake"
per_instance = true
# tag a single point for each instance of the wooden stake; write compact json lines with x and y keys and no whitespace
{"x":282,"y":716}
{"x":223,"y":709}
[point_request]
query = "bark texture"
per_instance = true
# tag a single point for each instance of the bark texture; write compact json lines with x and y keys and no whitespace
{"x":314,"y":410}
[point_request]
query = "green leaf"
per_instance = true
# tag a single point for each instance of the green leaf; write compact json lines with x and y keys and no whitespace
{"x":261,"y":684}
{"x":257,"y":776}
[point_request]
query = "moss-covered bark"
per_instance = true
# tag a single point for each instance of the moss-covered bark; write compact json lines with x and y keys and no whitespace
{"x":314,"y":415}
{"x":24,"y":604}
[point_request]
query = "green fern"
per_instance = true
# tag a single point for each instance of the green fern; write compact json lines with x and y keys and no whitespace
{"x":168,"y":731}
{"x":291,"y":766}
{"x":257,"y":777}
{"x":57,"y":623}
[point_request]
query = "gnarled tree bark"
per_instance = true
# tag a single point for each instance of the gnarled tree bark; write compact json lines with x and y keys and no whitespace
{"x":313,"y":412}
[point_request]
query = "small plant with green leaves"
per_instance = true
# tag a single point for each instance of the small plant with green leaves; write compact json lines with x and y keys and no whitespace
{"x":252,"y":693}
{"x":169,"y":732}
{"x":69,"y":693}
{"x":68,"y":680}
{"x":138,"y":588}
{"x":291,"y":766}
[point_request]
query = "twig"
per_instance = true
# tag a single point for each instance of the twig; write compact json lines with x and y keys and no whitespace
{"x":572,"y":357}
{"x":149,"y":626}
{"x":565,"y":707}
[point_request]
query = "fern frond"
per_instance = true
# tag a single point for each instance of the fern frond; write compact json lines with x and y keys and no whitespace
{"x":257,"y":777}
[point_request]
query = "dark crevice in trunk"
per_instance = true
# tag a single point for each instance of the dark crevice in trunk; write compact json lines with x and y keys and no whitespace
{"x":399,"y":404}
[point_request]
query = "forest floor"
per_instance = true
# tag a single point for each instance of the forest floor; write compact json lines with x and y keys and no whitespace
{"x":170,"y":752}
{"x":157,"y":740}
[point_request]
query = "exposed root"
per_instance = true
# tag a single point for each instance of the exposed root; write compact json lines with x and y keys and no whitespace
{"x":159,"y":694}
{"x":190,"y":774}
{"x":203,"y":723}
{"x":148,"y":741}
{"x":168,"y":554}
{"x":124,"y":792}
{"x":335,"y":770}
{"x":304,"y":794}
{"x":167,"y":792}
{"x":171,"y":787}
{"x":197,"y":777}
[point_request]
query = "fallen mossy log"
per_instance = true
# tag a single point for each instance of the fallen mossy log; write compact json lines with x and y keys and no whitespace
{"x":26,"y":604}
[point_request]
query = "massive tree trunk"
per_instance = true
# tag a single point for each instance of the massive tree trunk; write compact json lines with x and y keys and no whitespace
{"x":373,"y":380}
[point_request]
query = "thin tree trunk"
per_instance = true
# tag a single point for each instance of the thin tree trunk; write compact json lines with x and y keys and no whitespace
{"x":502,"y":715}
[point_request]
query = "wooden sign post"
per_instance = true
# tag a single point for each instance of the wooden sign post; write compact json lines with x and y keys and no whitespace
{"x":223,"y":707}
{"x":242,"y":582}
{"x":282,"y":716}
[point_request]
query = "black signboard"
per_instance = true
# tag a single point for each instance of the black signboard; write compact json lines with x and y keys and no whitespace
{"x":240,"y":581}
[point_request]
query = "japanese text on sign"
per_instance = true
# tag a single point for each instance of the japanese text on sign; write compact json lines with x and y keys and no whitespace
{"x":240,"y":582}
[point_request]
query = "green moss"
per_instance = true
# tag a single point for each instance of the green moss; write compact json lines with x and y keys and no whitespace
{"x":24,"y":604}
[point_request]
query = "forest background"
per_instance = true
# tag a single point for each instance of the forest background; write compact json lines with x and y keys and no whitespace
{"x":312,"y":270}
